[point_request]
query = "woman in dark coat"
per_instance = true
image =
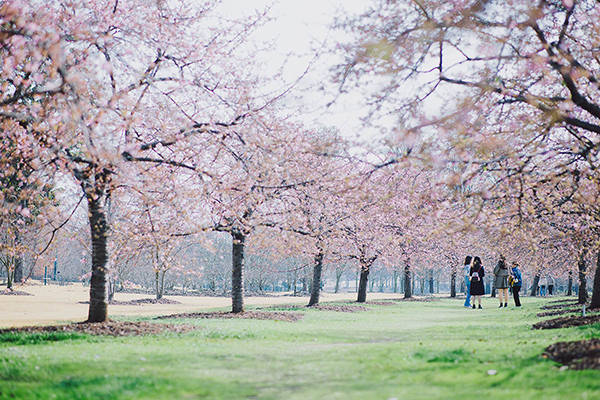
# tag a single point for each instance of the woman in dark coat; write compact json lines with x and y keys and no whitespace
{"x":477,"y":273}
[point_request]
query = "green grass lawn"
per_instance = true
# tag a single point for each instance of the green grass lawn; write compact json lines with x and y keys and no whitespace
{"x":412,"y":350}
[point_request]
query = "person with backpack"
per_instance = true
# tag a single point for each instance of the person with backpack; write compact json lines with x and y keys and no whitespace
{"x":516,"y":280}
{"x":501,"y":280}
{"x":476,"y":274}
{"x":467,"y":273}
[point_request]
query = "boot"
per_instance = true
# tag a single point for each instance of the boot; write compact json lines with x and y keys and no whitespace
{"x":505,"y":304}
{"x":480,"y":306}
{"x":473,"y":306}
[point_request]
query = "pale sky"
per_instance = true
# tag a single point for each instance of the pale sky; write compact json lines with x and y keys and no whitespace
{"x":299,"y":27}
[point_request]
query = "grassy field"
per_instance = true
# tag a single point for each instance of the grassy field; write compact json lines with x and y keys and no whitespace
{"x":412,"y":350}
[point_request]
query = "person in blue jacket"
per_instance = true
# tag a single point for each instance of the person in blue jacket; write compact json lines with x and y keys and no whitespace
{"x":467,"y":268}
{"x":516,"y":282}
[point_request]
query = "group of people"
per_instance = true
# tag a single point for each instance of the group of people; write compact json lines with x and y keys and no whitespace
{"x":503,"y":279}
{"x":546,"y":286}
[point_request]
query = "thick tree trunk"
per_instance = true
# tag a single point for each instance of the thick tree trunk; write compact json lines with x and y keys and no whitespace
{"x":582,"y":277}
{"x":18,"y":277}
{"x":570,"y":284}
{"x":162,"y":283}
{"x":534,"y":286}
{"x":407,"y":282}
{"x":316,"y":282}
{"x":453,"y":281}
{"x":98,"y":311}
{"x":237,"y":283}
{"x":362,"y":285}
{"x":157,"y":284}
{"x":596,"y":289}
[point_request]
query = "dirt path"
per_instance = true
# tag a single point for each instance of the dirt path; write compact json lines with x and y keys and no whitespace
{"x":53,"y":304}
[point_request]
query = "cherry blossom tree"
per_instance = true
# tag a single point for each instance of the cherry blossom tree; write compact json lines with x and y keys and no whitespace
{"x":95,"y":88}
{"x":518,"y":87}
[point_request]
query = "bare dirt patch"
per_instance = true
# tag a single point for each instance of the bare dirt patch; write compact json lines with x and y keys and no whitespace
{"x":566,"y":322}
{"x":322,"y":307}
{"x":558,"y":306}
{"x":139,"y":302}
{"x":558,"y":312}
{"x":110,"y":328}
{"x":277,"y":316}
{"x":581,"y":354}
{"x":8,"y":292}
{"x":381,"y":303}
{"x":423,"y":299}
{"x":570,"y":301}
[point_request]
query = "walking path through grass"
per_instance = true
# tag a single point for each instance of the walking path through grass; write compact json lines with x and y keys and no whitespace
{"x":411,"y":350}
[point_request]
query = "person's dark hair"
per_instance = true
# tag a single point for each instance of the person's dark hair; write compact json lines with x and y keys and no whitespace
{"x":468,"y":260}
{"x":477,"y":262}
{"x":502,"y":262}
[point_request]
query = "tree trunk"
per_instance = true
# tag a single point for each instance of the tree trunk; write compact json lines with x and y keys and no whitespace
{"x":534,"y":285}
{"x":10,"y":273}
{"x":111,"y":290}
{"x":431,"y":289}
{"x":362,"y":285}
{"x":316,"y":282}
{"x":570,"y":284}
{"x":596,"y":288}
{"x":395,"y":281}
{"x":162,"y":283}
{"x":157,"y":284}
{"x":237,"y":283}
{"x":582,"y":277}
{"x":295,"y":282}
{"x":407,"y":282}
{"x":338,"y":278}
{"x":18,"y":277}
{"x":98,"y":310}
{"x":453,"y":281}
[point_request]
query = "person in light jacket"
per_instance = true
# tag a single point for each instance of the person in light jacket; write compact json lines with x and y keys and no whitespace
{"x":501,"y":280}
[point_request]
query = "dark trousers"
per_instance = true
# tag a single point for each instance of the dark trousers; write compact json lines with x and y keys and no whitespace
{"x":515,"y":290}
{"x":550,"y":289}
